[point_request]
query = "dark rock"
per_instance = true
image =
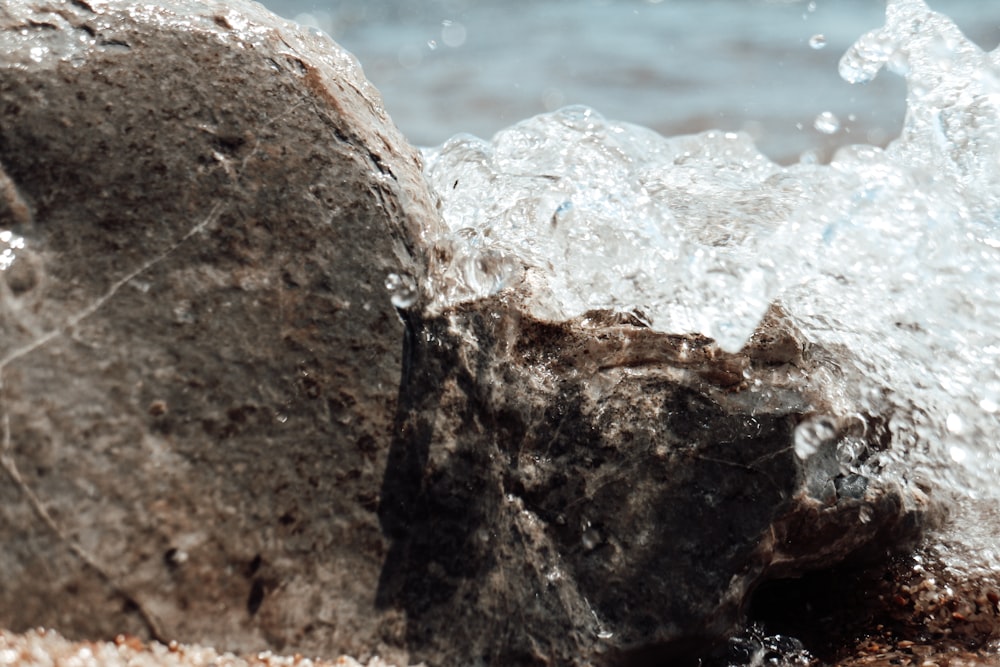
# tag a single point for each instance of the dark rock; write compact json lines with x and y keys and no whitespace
{"x":594,"y":492}
{"x":199,"y":359}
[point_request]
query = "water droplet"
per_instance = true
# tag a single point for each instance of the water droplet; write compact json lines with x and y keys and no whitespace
{"x":958,"y":454}
{"x":850,"y":451}
{"x":9,"y":244}
{"x":811,"y":7}
{"x":955,"y":424}
{"x":811,"y":435}
{"x":318,"y":32}
{"x":563,"y":211}
{"x":432,"y":44}
{"x":809,"y":156}
{"x":453,"y":34}
{"x":817,"y":41}
{"x":402,"y":289}
{"x":865,"y":58}
{"x":604,"y":633}
{"x":827,"y":123}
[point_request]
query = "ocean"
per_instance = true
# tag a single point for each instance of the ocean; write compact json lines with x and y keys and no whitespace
{"x":677,"y":66}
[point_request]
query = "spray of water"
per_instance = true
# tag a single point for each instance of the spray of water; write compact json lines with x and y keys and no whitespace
{"x":892,"y":254}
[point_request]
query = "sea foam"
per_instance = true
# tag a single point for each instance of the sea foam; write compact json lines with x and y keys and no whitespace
{"x":893,"y":254}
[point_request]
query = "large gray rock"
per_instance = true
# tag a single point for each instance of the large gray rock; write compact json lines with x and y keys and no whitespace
{"x":594,"y":492}
{"x":199,"y":360}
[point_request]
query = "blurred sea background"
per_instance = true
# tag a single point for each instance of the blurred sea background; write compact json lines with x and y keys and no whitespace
{"x":766,"y":67}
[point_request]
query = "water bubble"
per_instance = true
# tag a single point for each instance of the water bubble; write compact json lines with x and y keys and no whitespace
{"x":453,"y":33}
{"x":817,"y":41}
{"x":563,"y":211}
{"x":755,"y":648}
{"x":809,"y":156}
{"x":604,"y":633}
{"x":811,"y":435}
{"x":9,"y":244}
{"x":432,"y":44}
{"x":955,"y":424}
{"x":402,"y":289}
{"x":827,"y":123}
{"x":553,"y":98}
{"x":590,"y":539}
{"x":850,"y":451}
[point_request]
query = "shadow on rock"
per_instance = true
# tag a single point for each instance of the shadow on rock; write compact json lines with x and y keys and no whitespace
{"x":596,"y":492}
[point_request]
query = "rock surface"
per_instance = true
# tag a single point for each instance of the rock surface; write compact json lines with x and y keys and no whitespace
{"x":594,"y":492}
{"x":199,"y":360}
{"x":200,"y":437}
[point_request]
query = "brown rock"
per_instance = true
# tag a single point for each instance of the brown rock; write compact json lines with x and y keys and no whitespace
{"x":594,"y":492}
{"x":199,"y":360}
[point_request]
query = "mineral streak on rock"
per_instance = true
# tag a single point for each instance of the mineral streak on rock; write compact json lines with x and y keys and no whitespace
{"x":198,"y":360}
{"x":597,"y":492}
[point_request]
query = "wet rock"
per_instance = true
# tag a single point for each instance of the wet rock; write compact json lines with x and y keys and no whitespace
{"x":594,"y":492}
{"x":199,"y":206}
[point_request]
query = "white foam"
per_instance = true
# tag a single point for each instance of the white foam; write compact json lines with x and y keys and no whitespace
{"x":893,"y":253}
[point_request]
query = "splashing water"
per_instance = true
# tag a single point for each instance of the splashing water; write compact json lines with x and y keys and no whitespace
{"x":827,"y":122}
{"x":893,"y":254}
{"x":755,"y":648}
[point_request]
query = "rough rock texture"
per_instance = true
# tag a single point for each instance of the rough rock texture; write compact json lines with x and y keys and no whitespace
{"x":598,"y":493}
{"x":199,"y":361}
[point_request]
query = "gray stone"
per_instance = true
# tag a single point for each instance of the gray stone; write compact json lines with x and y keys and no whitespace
{"x":199,"y":360}
{"x":594,"y":492}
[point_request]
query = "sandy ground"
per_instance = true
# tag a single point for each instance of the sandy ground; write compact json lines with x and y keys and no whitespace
{"x":47,"y":648}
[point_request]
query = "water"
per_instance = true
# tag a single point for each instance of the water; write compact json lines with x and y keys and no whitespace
{"x":893,"y":253}
{"x":676,"y":66}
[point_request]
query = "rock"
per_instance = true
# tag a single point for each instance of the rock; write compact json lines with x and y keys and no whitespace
{"x":938,"y":605}
{"x":199,"y":360}
{"x":594,"y":492}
